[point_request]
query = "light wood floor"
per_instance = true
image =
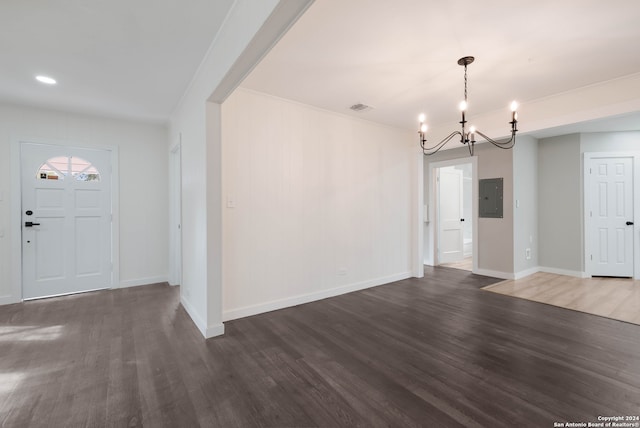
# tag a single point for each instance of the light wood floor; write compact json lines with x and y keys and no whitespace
{"x":464,"y":264}
{"x":616,"y":298}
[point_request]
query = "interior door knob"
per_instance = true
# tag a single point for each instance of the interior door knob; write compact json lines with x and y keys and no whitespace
{"x":629,"y":223}
{"x":30,"y":224}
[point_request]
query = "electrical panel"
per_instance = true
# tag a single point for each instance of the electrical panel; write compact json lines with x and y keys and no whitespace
{"x":490,"y":190}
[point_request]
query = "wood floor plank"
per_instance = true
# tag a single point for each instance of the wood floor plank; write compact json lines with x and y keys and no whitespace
{"x":437,"y":351}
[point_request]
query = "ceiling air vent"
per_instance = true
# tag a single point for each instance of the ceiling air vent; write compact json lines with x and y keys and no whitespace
{"x":360,"y":107}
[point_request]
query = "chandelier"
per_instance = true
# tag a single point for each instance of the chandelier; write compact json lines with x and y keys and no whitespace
{"x":467,"y":138}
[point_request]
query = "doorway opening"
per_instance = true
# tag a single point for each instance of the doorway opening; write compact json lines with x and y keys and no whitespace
{"x":451,"y":225}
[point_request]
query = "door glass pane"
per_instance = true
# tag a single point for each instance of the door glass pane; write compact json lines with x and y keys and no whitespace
{"x":82,"y":170}
{"x":61,"y":166}
{"x":54,"y":169}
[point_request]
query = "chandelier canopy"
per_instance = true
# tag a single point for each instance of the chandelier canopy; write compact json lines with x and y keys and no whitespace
{"x":467,"y":138}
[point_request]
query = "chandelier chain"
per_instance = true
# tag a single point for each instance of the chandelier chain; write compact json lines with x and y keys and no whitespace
{"x":465,"y":82}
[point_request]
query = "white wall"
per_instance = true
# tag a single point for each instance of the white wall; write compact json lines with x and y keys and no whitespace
{"x":143,"y":185}
{"x":197,"y":122}
{"x":316,"y":203}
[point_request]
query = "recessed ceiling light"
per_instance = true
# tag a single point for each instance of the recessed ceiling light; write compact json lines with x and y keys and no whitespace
{"x":46,"y":79}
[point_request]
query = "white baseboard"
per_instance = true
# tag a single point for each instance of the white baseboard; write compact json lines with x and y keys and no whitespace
{"x":206,"y":331}
{"x":9,"y":300}
{"x":495,"y":273}
{"x":199,"y":322}
{"x":557,"y":271}
{"x":287,"y":302}
{"x":214,"y":330}
{"x":526,"y":272}
{"x":142,"y":281}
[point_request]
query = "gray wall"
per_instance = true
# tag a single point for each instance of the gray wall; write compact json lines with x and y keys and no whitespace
{"x":525,"y":194}
{"x":610,"y":141}
{"x":559,"y":197}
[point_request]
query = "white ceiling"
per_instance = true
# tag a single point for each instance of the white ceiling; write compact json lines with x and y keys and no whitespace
{"x":135,"y":59}
{"x":401,"y":56}
{"x":121,"y":58}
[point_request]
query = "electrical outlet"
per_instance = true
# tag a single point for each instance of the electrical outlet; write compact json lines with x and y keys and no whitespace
{"x":527,"y":253}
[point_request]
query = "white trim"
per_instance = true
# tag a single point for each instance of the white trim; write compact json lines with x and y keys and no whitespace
{"x":193,"y":314}
{"x":142,"y":281}
{"x":494,"y":273}
{"x":417,"y":241}
{"x":526,"y":272}
{"x":115,"y":212}
{"x":15,"y":226}
{"x":586,"y":162}
{"x":214,"y":330}
{"x":175,"y":213}
{"x":206,"y":331}
{"x":566,"y":272}
{"x":310,"y":297}
{"x":65,"y":294}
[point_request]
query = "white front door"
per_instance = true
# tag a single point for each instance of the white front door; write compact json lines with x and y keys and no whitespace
{"x":66,"y":220}
{"x":450,"y":191}
{"x":611,"y":212}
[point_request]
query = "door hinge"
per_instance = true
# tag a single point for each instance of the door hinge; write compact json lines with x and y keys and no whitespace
{"x":591,"y":257}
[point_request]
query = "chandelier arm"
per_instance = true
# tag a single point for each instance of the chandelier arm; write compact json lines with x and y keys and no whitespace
{"x":501,"y":145}
{"x":433,"y":150}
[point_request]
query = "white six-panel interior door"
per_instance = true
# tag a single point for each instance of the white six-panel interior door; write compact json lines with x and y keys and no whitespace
{"x":450,"y":191}
{"x":611,"y":216}
{"x":66,"y":220}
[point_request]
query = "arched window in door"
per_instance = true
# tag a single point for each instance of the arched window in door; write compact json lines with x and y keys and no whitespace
{"x":63,"y":167}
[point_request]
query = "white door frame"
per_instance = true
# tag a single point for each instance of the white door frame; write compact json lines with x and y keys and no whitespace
{"x":443,"y":225}
{"x":587,"y":158}
{"x":15,"y":226}
{"x":431,"y":258}
{"x":175,"y":215}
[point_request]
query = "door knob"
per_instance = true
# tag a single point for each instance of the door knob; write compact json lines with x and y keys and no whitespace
{"x":30,"y":224}
{"x":629,"y":223}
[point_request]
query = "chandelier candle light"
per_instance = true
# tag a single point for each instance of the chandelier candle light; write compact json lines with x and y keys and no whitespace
{"x":468,"y":137}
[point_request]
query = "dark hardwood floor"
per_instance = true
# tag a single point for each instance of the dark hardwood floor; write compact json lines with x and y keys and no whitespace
{"x":434,"y":352}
